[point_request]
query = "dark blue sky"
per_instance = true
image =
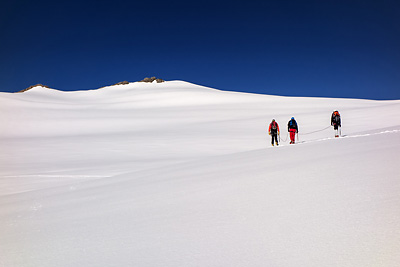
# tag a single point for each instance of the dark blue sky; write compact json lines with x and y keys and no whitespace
{"x":298,"y":48}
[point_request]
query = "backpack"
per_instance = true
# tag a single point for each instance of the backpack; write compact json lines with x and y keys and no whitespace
{"x":292,"y":123}
{"x":336,"y":117}
{"x":273,"y":126}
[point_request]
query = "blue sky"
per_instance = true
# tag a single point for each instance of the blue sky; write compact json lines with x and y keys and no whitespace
{"x":294,"y":48}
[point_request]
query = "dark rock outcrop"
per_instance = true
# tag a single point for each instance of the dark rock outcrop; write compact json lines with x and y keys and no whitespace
{"x":152,"y":79}
{"x":33,"y":86}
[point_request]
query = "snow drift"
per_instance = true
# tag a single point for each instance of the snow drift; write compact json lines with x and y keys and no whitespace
{"x":176,"y":174}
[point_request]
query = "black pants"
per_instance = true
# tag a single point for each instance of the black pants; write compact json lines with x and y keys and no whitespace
{"x":335,"y":126}
{"x":274,"y":136}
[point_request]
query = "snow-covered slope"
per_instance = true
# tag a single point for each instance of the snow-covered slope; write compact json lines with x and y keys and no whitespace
{"x":175,"y":174}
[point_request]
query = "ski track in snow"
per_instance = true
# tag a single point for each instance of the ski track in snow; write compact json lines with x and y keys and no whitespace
{"x":351,"y":136}
{"x":337,"y":138}
{"x":77,"y":176}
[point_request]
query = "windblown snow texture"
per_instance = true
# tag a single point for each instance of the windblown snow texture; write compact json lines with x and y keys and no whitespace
{"x":175,"y":174}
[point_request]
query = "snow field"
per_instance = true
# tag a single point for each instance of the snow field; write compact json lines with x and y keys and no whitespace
{"x":176,"y":174}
